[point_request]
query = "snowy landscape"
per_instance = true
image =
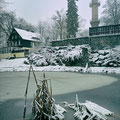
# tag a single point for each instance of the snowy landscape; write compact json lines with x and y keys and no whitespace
{"x":57,"y":59}
{"x":57,"y":63}
{"x":64,"y":59}
{"x":67,"y":59}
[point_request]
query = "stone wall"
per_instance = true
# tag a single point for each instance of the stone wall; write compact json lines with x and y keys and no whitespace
{"x":74,"y":41}
{"x":96,"y":42}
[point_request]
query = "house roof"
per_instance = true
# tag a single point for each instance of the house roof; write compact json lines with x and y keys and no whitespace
{"x":26,"y":35}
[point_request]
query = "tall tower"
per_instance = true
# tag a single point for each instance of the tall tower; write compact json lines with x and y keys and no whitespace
{"x":94,"y":5}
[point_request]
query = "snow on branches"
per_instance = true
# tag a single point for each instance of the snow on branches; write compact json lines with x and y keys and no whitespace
{"x":66,"y":55}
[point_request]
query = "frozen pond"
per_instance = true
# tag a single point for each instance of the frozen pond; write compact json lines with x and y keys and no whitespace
{"x":13,"y":84}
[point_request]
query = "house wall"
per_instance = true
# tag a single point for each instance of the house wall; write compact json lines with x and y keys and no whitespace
{"x":15,"y":40}
{"x":25,"y":43}
{"x":8,"y":55}
{"x":17,"y":46}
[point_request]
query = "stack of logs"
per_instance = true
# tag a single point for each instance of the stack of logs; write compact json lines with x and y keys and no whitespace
{"x":43,"y":102}
{"x":43,"y":105}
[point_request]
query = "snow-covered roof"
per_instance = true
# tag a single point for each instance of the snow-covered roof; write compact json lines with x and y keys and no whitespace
{"x":26,"y":35}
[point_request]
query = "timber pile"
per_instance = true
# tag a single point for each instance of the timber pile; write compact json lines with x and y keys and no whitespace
{"x":43,"y":105}
{"x":88,"y":110}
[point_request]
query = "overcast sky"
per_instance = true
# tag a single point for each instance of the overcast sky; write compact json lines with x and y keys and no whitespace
{"x":34,"y":10}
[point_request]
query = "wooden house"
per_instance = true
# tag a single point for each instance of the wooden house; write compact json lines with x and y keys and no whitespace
{"x":19,"y":43}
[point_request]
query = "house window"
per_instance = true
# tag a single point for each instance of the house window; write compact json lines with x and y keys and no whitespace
{"x":32,"y":44}
{"x":12,"y":43}
{"x":15,"y":43}
{"x":7,"y":50}
{"x":15,"y":36}
{"x":19,"y":43}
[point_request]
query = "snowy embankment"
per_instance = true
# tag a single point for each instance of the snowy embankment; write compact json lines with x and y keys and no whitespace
{"x":107,"y":58}
{"x":13,"y":65}
{"x":67,"y":58}
{"x":18,"y":65}
{"x":62,"y":56}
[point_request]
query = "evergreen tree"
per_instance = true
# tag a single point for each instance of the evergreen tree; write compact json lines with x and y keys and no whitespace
{"x":72,"y":19}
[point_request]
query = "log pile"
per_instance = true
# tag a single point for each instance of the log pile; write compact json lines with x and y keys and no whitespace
{"x":88,"y":110}
{"x":43,"y":105}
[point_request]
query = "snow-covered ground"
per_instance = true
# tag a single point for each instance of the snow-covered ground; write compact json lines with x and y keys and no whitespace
{"x":60,"y":58}
{"x":18,"y":65}
{"x":13,"y":65}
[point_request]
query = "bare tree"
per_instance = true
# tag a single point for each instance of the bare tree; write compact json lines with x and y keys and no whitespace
{"x":8,"y":24}
{"x":8,"y":21}
{"x":84,"y":33}
{"x":23,"y":24}
{"x":81,"y":29}
{"x":1,"y":14}
{"x":48,"y":30}
{"x":60,"y":23}
{"x":2,"y":4}
{"x":41,"y":28}
{"x":2,"y":34}
{"x":111,"y":13}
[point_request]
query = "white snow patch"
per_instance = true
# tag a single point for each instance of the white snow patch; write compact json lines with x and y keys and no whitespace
{"x":13,"y":65}
{"x":59,"y":112}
